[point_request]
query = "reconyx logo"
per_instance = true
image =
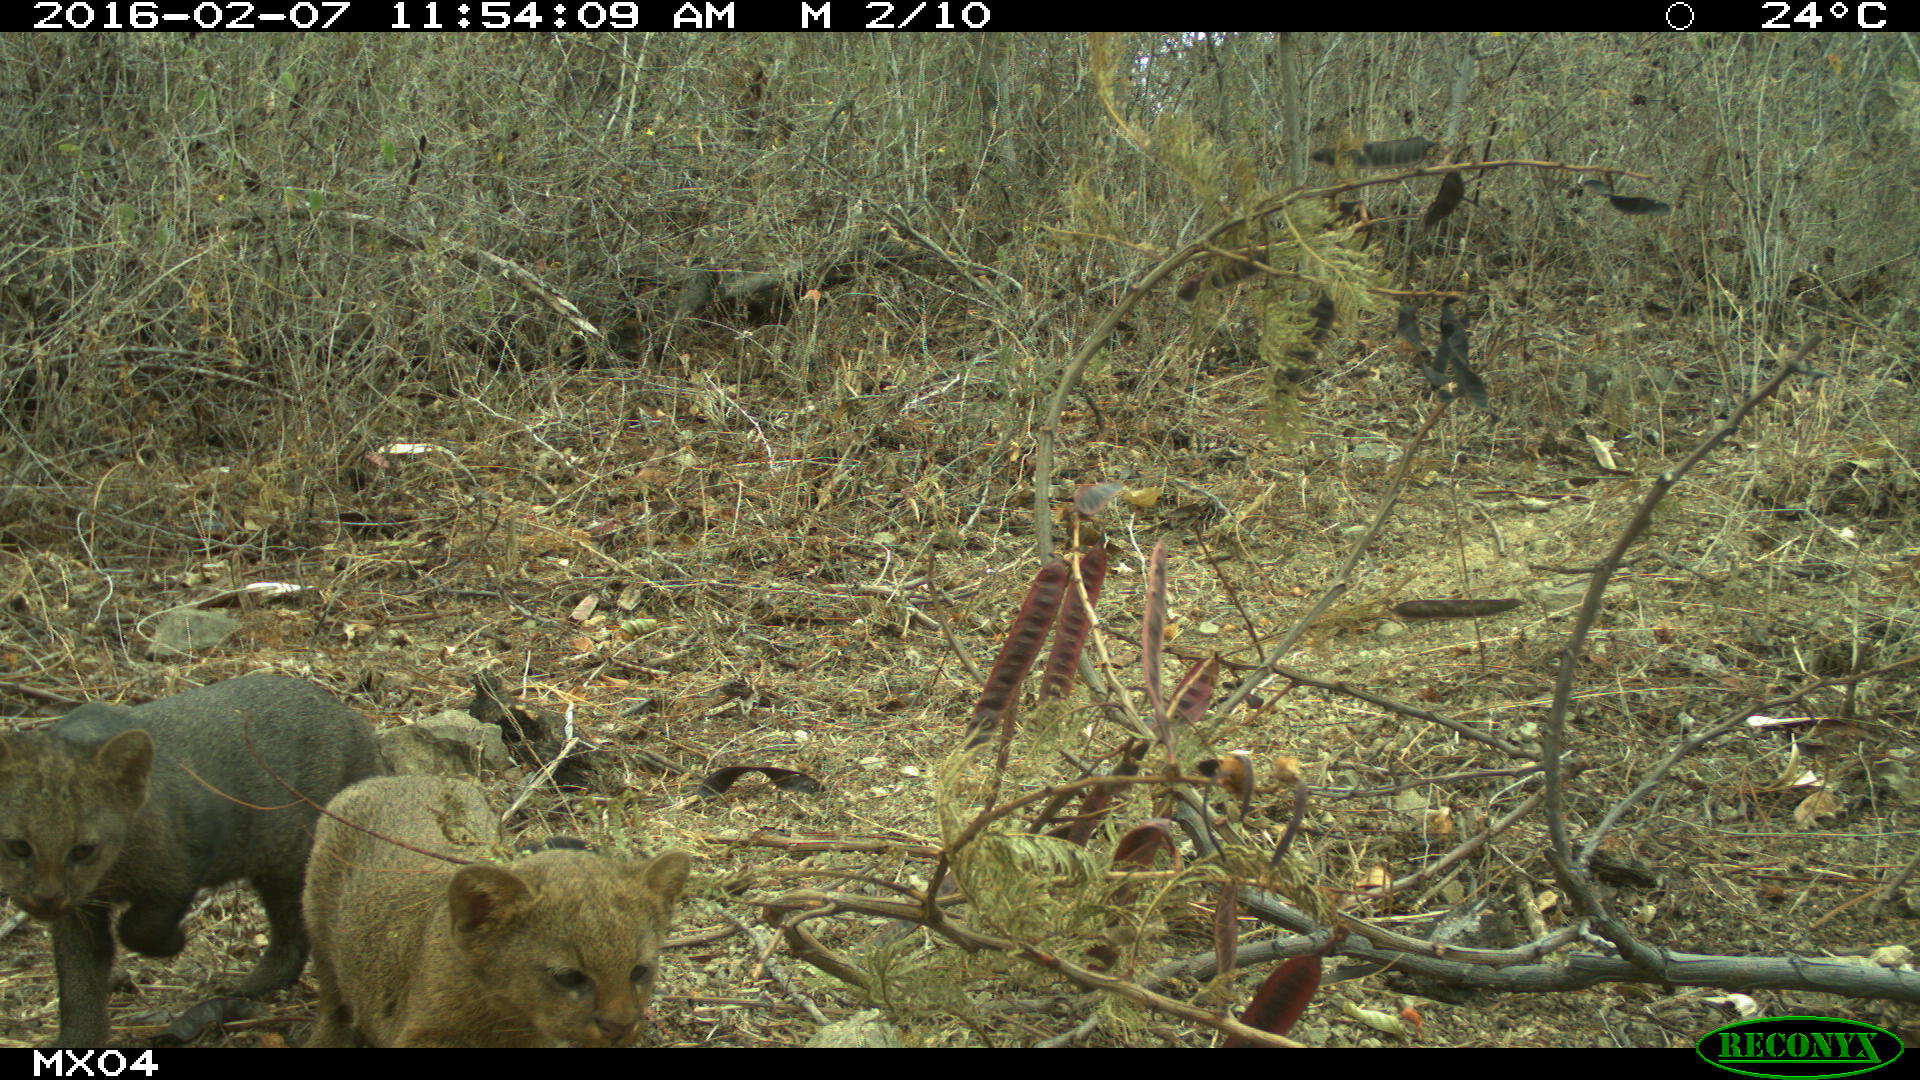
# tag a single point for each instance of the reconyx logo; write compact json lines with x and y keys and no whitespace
{"x":1799,"y":1047}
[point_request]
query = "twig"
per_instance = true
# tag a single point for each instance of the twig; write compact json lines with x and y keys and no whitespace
{"x":974,"y":940}
{"x":1735,"y":721}
{"x":1892,"y":888}
{"x":1439,"y":866}
{"x":988,"y":817}
{"x":945,"y":627}
{"x":765,"y":962}
{"x":804,"y":844}
{"x":807,"y":948}
{"x":1572,"y":875}
{"x":1342,"y":577}
{"x":528,"y":785}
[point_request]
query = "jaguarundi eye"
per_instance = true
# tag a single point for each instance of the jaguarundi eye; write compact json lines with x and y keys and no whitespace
{"x":569,"y":979}
{"x":20,"y":849}
{"x":83,"y":854}
{"x":641,"y":973}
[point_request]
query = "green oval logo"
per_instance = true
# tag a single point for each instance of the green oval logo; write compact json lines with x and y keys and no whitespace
{"x":1799,"y":1047}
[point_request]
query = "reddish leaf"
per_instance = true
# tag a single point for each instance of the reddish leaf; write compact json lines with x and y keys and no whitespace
{"x":1076,"y":621}
{"x":1019,"y":650}
{"x":1452,"y":609}
{"x":1226,"y":925}
{"x":1098,"y":801}
{"x":1282,"y":998}
{"x":1137,"y":845}
{"x":1194,"y":691}
{"x":1452,"y":190}
{"x":1094,"y":807}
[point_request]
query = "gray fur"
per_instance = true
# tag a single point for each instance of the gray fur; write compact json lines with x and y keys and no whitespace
{"x":140,"y":808}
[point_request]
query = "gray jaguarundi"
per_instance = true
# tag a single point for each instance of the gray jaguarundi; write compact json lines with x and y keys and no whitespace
{"x":140,"y":808}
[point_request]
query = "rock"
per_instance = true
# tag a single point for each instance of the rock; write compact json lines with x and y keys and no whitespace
{"x":449,"y":743}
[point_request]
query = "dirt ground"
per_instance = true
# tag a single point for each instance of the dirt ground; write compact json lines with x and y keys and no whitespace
{"x":717,"y":571}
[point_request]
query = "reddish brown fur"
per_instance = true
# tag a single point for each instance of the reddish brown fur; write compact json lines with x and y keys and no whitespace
{"x":556,"y":949}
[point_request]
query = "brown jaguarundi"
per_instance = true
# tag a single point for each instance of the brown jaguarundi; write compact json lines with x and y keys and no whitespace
{"x":143,"y":807}
{"x":556,"y":948}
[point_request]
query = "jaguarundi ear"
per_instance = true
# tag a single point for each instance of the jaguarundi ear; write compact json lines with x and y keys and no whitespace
{"x":667,"y":875}
{"x":126,"y":761}
{"x":482,"y":897}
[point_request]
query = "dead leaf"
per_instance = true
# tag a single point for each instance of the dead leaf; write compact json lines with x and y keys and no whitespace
{"x":1820,"y":804}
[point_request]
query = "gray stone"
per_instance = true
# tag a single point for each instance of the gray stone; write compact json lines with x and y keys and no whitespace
{"x":861,"y":1030}
{"x":178,"y":633}
{"x":449,"y":743}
